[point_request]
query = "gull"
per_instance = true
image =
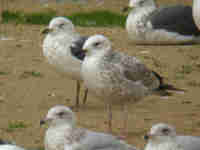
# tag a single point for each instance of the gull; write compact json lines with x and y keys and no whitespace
{"x":117,"y":78}
{"x":163,"y":137}
{"x":56,"y":48}
{"x":148,"y":24}
{"x":63,"y":134}
{"x":196,"y":12}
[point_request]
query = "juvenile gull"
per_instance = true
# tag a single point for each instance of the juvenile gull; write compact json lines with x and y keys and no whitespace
{"x":147,"y":24}
{"x":117,"y":78}
{"x":196,"y":12}
{"x":56,"y":48}
{"x":63,"y":134}
{"x":163,"y":137}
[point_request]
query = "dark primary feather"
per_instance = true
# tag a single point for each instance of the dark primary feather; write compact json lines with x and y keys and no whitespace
{"x":76,"y":48}
{"x":163,"y":87}
{"x":174,"y":19}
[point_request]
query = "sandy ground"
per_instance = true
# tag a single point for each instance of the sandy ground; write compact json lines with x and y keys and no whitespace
{"x":26,"y":98}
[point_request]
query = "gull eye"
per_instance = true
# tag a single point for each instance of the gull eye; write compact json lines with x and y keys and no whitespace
{"x":165,"y":131}
{"x":61,"y":25}
{"x":141,"y":2}
{"x":60,"y":113}
{"x":96,"y":44}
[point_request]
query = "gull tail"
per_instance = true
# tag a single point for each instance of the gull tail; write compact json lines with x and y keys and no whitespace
{"x":164,"y":87}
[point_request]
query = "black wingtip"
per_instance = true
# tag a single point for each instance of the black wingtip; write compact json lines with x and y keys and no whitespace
{"x":164,"y":88}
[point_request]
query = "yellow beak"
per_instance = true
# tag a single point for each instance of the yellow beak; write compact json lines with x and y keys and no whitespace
{"x":46,"y":31}
{"x":85,"y":50}
{"x":126,"y":9}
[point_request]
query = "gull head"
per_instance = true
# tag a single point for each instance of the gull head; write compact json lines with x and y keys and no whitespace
{"x":59,"y":115}
{"x":160,"y":133}
{"x":59,"y":24}
{"x":141,"y":3}
{"x":96,"y":44}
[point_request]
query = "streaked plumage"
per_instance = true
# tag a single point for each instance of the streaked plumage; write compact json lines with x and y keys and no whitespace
{"x":117,"y":78}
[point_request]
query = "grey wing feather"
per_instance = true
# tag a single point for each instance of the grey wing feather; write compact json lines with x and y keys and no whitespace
{"x":177,"y":19}
{"x":189,"y":142}
{"x":101,"y":141}
{"x":134,"y":70}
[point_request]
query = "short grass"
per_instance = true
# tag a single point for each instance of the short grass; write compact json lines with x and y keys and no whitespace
{"x":93,"y":19}
{"x":12,"y":126}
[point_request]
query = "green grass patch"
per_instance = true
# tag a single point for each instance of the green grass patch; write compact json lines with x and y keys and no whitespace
{"x":93,"y":19}
{"x":3,"y":73}
{"x":16,"y":125}
{"x":27,"y":74}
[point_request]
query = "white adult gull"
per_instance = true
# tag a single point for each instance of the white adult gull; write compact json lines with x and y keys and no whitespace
{"x":117,"y":78}
{"x":63,"y":134}
{"x":196,"y":12}
{"x":147,"y":24}
{"x":56,"y":48}
{"x":164,"y":137}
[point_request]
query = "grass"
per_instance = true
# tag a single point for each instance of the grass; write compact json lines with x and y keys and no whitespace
{"x":32,"y":73}
{"x":3,"y":73}
{"x":95,"y":18}
{"x":183,"y":70}
{"x":16,"y":125}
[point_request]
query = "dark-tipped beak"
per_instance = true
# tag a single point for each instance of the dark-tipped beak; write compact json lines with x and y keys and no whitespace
{"x":46,"y":31}
{"x":126,"y":9}
{"x":42,"y":122}
{"x":146,"y":137}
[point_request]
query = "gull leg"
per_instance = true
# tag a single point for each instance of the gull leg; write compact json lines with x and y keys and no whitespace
{"x":125,"y":112}
{"x":109,"y":110}
{"x":85,"y":96}
{"x":77,"y":94}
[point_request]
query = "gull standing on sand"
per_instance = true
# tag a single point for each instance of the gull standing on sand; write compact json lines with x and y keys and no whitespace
{"x":63,"y":134}
{"x":147,"y":24}
{"x":163,"y":137}
{"x":196,"y":12}
{"x":117,"y":78}
{"x":56,"y":48}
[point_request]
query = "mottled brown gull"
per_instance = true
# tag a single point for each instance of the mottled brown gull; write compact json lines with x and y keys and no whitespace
{"x":164,"y":137}
{"x":117,"y":78}
{"x":149,"y":24}
{"x":63,"y":134}
{"x":56,"y":48}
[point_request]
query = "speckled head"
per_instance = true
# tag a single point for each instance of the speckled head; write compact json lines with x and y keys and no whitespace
{"x":141,"y":3}
{"x":161,"y":131}
{"x":59,"y":24}
{"x":59,"y":115}
{"x":96,"y":44}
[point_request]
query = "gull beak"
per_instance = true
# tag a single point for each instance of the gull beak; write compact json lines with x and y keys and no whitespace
{"x":44,"y":121}
{"x":46,"y":31}
{"x":126,"y":9}
{"x":148,"y":136}
{"x":85,"y":49}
